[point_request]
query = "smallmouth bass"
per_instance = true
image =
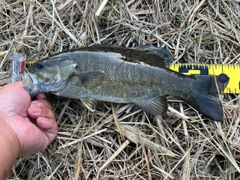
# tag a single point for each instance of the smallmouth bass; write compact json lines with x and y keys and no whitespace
{"x":122,"y":75}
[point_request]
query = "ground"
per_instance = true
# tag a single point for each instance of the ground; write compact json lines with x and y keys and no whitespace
{"x":181,"y":145}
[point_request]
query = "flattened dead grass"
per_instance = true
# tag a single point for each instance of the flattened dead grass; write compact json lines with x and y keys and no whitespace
{"x":89,"y":145}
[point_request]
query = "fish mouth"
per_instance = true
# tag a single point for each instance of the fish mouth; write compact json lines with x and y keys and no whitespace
{"x":30,"y":84}
{"x":33,"y":86}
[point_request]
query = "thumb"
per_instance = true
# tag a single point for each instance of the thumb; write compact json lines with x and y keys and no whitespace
{"x":49,"y":127}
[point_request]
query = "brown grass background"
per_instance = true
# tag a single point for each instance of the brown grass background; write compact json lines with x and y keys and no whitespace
{"x":182,"y":145}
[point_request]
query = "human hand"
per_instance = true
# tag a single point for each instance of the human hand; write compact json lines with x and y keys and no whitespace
{"x":30,"y":123}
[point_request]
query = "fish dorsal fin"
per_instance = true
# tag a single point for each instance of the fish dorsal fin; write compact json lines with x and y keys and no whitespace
{"x":89,"y":103}
{"x":161,"y":52}
{"x":156,"y":105}
{"x":145,"y":47}
{"x":91,"y":77}
{"x":147,"y":54}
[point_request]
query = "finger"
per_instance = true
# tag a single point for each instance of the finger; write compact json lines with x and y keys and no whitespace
{"x":49,"y":127}
{"x":41,"y":103}
{"x":41,"y":96}
{"x":34,"y":111}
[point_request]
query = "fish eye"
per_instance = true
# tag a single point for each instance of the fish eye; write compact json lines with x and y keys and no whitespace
{"x":39,"y":65}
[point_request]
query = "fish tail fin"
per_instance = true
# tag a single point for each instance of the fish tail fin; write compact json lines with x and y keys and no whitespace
{"x":206,"y":98}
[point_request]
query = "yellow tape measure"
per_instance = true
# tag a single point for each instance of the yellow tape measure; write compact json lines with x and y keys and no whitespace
{"x":228,"y":74}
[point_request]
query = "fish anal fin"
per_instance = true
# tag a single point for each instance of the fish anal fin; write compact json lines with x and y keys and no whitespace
{"x":89,"y":103}
{"x":156,"y":105}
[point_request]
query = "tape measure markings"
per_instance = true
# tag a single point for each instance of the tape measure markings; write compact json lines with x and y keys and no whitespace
{"x":225,"y":73}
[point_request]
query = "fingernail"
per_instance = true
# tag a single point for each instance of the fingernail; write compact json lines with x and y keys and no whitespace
{"x":36,"y":104}
{"x":43,"y":119}
{"x":35,"y":109}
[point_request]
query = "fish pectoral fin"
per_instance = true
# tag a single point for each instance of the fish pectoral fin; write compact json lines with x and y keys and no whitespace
{"x":90,"y":78}
{"x":156,"y":105}
{"x":89,"y":103}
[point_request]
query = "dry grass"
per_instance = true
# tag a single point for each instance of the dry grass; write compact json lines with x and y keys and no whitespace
{"x":89,"y":145}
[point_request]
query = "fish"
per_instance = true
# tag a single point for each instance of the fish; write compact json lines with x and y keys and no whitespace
{"x":122,"y":75}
